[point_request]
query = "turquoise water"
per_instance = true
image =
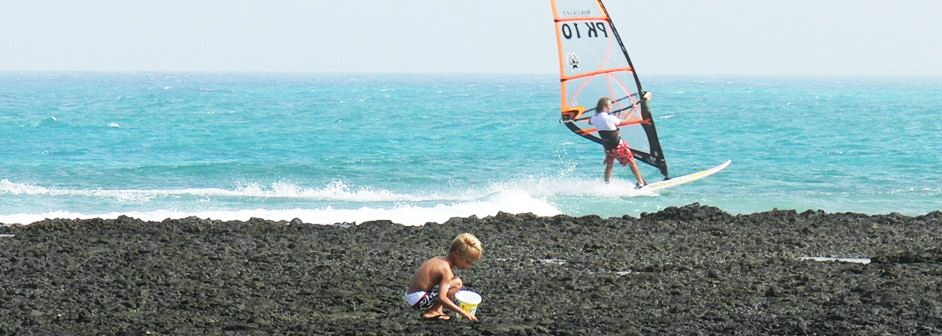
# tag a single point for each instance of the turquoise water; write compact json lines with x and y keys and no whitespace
{"x":424,"y":148}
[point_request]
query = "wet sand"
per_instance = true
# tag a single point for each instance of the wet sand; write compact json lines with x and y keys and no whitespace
{"x":681,"y":271}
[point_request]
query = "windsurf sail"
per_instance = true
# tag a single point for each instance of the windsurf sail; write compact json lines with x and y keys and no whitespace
{"x":594,"y":63}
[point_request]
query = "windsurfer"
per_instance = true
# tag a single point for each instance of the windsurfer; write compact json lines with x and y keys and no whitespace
{"x":615,"y":147}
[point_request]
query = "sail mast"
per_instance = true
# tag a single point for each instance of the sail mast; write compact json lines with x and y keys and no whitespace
{"x":656,"y":152}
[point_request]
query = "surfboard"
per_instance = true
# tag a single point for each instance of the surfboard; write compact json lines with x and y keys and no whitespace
{"x":681,"y":180}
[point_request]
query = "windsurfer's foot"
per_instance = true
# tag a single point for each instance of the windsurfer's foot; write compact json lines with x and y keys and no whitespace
{"x":640,"y":185}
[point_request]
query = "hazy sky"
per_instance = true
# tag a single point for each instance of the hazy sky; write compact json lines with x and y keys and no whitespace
{"x":818,"y":37}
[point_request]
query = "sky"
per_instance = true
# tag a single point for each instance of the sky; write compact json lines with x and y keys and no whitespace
{"x":676,"y":37}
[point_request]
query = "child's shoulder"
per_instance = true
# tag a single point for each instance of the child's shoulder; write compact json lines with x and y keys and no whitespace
{"x":436,"y":262}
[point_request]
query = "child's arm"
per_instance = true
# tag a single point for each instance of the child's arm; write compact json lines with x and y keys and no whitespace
{"x":444,"y":288}
{"x":445,"y":301}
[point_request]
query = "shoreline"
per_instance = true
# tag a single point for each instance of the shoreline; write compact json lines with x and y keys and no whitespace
{"x":683,"y":270}
{"x":296,"y":220}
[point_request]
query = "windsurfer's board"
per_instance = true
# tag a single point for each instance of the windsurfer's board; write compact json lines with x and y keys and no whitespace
{"x":680,"y":180}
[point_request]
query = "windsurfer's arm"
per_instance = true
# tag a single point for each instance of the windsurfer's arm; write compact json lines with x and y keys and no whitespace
{"x":630,"y":120}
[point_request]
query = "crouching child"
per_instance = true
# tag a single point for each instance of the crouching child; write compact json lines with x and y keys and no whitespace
{"x":433,"y":286}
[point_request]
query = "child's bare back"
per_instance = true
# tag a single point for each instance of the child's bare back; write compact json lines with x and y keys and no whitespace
{"x":430,"y":274}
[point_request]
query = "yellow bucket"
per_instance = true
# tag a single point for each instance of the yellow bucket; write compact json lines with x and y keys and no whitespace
{"x":468,"y":301}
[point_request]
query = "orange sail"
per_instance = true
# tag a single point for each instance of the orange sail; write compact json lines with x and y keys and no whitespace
{"x":594,"y":63}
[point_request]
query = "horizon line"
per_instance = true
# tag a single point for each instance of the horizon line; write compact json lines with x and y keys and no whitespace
{"x":457,"y":73}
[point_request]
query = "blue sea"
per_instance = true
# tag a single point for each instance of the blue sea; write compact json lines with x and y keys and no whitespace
{"x":329,"y":148}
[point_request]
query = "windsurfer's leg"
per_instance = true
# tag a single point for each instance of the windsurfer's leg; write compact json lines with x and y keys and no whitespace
{"x":609,"y":164}
{"x":638,"y":175}
{"x":608,"y":171}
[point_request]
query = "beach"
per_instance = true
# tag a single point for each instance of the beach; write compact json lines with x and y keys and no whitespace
{"x":166,"y":169}
{"x":683,"y":271}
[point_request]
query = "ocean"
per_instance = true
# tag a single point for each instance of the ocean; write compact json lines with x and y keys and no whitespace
{"x":331,"y":148}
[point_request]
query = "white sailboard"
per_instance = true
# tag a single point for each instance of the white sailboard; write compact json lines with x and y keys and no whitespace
{"x":681,"y":180}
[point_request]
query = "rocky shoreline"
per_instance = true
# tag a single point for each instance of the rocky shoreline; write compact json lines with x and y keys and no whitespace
{"x":681,"y":271}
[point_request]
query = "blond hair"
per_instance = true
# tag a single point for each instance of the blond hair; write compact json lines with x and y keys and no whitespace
{"x":467,"y":246}
{"x":600,"y":106}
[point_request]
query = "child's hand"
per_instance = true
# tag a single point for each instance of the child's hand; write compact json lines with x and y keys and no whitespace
{"x":469,"y":316}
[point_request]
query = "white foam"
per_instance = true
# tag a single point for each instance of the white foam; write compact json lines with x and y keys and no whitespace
{"x":554,"y":187}
{"x":510,"y":202}
{"x":335,"y":191}
{"x":340,"y":191}
{"x":526,"y":194}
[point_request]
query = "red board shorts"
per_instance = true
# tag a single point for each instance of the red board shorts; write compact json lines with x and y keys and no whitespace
{"x":622,"y":153}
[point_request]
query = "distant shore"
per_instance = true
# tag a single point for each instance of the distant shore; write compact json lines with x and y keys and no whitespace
{"x":680,"y":271}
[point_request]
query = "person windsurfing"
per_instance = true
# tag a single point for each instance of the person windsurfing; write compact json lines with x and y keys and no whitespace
{"x":615,"y":147}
